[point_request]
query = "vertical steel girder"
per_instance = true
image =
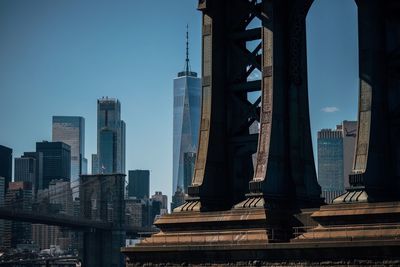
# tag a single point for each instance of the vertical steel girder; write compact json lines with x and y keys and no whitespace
{"x":224,"y":161}
{"x":233,"y":51}
{"x":285,"y":168}
{"x":376,"y":169}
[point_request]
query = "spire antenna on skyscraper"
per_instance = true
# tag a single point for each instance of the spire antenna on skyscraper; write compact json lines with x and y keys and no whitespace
{"x":187,"y":66}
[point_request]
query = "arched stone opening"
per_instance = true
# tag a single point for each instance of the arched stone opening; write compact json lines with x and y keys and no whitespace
{"x":333,"y":82}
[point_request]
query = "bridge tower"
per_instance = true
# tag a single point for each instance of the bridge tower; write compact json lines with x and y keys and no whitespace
{"x":238,"y":212}
{"x":102,"y":199}
{"x":232,"y":50}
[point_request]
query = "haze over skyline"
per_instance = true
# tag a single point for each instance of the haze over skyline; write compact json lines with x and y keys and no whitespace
{"x":59,"y":57}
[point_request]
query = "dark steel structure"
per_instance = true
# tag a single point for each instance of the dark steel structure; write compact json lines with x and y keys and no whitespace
{"x":252,"y":46}
{"x":285,"y":166}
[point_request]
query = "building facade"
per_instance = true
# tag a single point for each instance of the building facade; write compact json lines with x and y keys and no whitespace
{"x":6,"y":165}
{"x":186,"y":120}
{"x":110,"y":137}
{"x":71,"y":131}
{"x":335,"y":158}
{"x":178,"y":199}
{"x":56,"y":161}
{"x":139,"y":184}
{"x":45,"y":235}
{"x":38,"y":180}
{"x":18,"y":197}
{"x":163,"y":199}
{"x":25,"y":170}
{"x":330,"y":160}
{"x":141,"y":212}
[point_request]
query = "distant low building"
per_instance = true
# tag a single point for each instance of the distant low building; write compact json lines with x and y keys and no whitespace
{"x":178,"y":199}
{"x":163,"y":199}
{"x":45,"y":236}
{"x":134,"y":212}
{"x":141,"y":212}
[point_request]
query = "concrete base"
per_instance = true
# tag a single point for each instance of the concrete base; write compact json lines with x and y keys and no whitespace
{"x":237,"y":226}
{"x":355,"y":253}
{"x":214,"y":236}
{"x":246,"y":237}
{"x":354,"y":221}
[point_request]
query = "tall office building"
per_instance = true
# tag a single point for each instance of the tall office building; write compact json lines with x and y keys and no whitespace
{"x":187,"y":108}
{"x":335,"y":158}
{"x":71,"y":130}
{"x":139,"y":184}
{"x":21,"y":169}
{"x":6,"y":165}
{"x":25,"y":170}
{"x":56,"y":161}
{"x":110,"y":137}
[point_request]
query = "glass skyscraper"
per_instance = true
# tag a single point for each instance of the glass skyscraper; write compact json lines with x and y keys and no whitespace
{"x":110,"y":137}
{"x":38,"y":157}
{"x":56,"y":161}
{"x":335,"y":158}
{"x":187,"y":108}
{"x":139,"y":184}
{"x":330,"y":160}
{"x":71,"y":130}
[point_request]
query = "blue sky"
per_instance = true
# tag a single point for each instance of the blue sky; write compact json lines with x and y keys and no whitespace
{"x":59,"y":57}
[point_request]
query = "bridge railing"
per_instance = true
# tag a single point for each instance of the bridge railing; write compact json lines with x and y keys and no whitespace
{"x":197,"y":238}
{"x":350,"y":232}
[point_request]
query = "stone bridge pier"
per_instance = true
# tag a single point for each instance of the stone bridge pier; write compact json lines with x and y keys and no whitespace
{"x":102,"y":199}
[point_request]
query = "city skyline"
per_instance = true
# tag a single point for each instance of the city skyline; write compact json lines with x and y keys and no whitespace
{"x":117,"y":64}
